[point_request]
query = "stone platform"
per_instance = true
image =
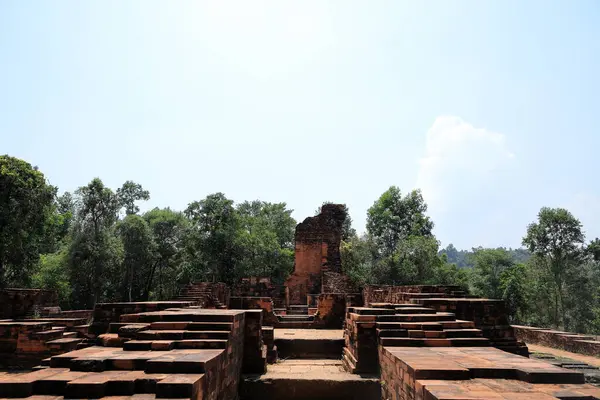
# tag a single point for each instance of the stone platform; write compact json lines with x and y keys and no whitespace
{"x":475,"y":373}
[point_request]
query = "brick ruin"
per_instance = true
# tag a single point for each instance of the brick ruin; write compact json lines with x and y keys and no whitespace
{"x":318,"y":264}
{"x":324,"y":340}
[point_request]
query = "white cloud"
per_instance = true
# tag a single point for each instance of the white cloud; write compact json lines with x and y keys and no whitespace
{"x":464,"y":176}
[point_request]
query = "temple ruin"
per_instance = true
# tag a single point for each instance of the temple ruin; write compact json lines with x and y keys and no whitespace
{"x":316,"y":337}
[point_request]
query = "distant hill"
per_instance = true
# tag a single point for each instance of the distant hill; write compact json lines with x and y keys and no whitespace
{"x":462,"y":258}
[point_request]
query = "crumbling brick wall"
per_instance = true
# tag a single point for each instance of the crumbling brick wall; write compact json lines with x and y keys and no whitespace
{"x":255,"y":286}
{"x":317,"y":246}
{"x":18,"y":303}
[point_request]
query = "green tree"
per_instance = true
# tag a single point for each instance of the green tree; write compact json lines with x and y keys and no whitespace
{"x":95,"y":252}
{"x":26,"y":202}
{"x":129,"y":193}
{"x":487,"y":273}
{"x":513,"y":284}
{"x":138,"y":255}
{"x":357,"y":260}
{"x":556,"y":240}
{"x":53,"y":274}
{"x":211,"y":243}
{"x":393,"y":218}
{"x":265,"y":240}
{"x":169,"y":229}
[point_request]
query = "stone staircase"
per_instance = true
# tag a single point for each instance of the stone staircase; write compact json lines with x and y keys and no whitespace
{"x":26,"y":342}
{"x":309,"y":367}
{"x":402,"y":325}
{"x":295,"y":317}
{"x":201,"y":293}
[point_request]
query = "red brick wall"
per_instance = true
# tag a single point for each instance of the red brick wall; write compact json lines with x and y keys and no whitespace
{"x":573,"y":342}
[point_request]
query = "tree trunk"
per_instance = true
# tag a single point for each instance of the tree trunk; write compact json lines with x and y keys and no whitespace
{"x":146,"y":294}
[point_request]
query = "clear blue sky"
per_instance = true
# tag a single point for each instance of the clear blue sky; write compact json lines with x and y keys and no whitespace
{"x":491,"y":107}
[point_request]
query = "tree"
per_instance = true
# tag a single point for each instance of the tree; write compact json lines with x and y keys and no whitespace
{"x":357,"y":260}
{"x":211,"y":250}
{"x":487,"y":273}
{"x":95,"y":252}
{"x":53,"y":274}
{"x":169,"y":229}
{"x":265,"y":240}
{"x":26,"y":201}
{"x":129,"y":193}
{"x":556,"y":240}
{"x":513,"y":284}
{"x":138,"y":255}
{"x":393,"y":218}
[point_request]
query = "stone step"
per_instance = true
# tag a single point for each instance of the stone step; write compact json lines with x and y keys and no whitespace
{"x":63,"y":322}
{"x":462,"y":333}
{"x":184,"y":361}
{"x":296,"y":318}
{"x":174,"y":316}
{"x":309,"y":379}
{"x":414,"y":310}
{"x":165,"y":345}
{"x":51,"y":334}
{"x":209,"y":326}
{"x":114,"y":327}
{"x":458,"y":324}
{"x":309,"y":348}
{"x":426,"y":342}
{"x":417,"y":317}
{"x":295,"y":324}
{"x":181,"y":335}
{"x":425,"y":326}
{"x":63,"y":345}
{"x":297,"y":312}
{"x":393,"y":332}
{"x":371,"y":311}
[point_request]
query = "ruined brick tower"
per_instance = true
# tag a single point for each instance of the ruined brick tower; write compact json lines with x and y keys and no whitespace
{"x":317,"y":250}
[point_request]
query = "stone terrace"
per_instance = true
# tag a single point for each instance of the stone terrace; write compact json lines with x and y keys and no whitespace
{"x":475,"y":373}
{"x":175,"y":353}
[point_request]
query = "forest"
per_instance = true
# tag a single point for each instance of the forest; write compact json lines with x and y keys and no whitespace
{"x":95,"y":245}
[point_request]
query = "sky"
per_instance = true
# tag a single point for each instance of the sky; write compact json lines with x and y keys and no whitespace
{"x":489,"y":107}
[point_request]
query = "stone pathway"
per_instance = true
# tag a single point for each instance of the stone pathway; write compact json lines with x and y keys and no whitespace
{"x":309,"y":380}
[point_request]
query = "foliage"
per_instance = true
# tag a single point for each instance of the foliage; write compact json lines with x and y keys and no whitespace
{"x":489,"y":264}
{"x":556,"y":240}
{"x":393,"y":218}
{"x":357,"y":260}
{"x":52,"y":274}
{"x":169,"y":229}
{"x":129,"y":193}
{"x":138,"y":255}
{"x":26,"y":202}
